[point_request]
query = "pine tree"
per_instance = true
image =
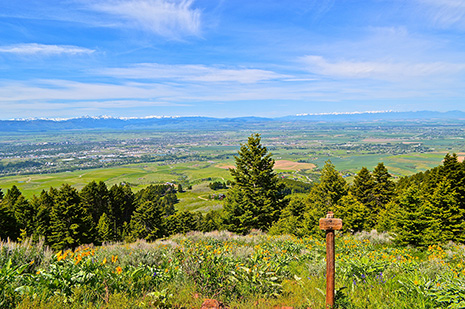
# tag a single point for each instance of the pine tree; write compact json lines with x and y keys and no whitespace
{"x":121,"y":205}
{"x":70,"y":223}
{"x":324,"y":196}
{"x":148,"y":221}
{"x":255,"y":199}
{"x":410,"y":219}
{"x":332,"y":187}
{"x":25,"y":217}
{"x":42,"y":205}
{"x":444,"y":215}
{"x":363,"y":185}
{"x":292,"y":219}
{"x":383,"y":192}
{"x":355,"y":213}
{"x":104,"y":228}
{"x":9,"y":222}
{"x":94,"y":197}
{"x":8,"y":227}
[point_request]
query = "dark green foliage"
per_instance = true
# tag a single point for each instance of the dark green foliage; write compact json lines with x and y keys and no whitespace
{"x":183,"y":222}
{"x":384,"y":187}
{"x":25,"y":217}
{"x":409,"y":220}
{"x":70,"y":222}
{"x":216,"y":185}
{"x":7,"y":223}
{"x":324,"y":196}
{"x":104,"y":229}
{"x":362,"y":188}
{"x":292,"y":219}
{"x":148,"y":221}
{"x":256,"y":197}
{"x":295,"y":186}
{"x":43,"y":206}
{"x":354,"y":213}
{"x":166,"y":194}
{"x":12,"y":200}
{"x":121,"y":207}
{"x":95,"y":199}
{"x":212,"y":221}
{"x":331,"y":189}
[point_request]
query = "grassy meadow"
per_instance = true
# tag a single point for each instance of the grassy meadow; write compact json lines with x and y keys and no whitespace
{"x":253,"y":271}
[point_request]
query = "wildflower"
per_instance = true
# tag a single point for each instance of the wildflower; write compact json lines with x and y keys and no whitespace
{"x":104,"y":261}
{"x":38,"y":272}
{"x":119,"y":270}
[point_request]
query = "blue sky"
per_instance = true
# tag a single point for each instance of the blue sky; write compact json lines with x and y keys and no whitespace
{"x":228,"y":58}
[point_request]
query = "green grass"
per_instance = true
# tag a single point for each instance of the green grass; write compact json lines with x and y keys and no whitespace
{"x":197,"y":199}
{"x":253,"y":271}
{"x":138,"y":175}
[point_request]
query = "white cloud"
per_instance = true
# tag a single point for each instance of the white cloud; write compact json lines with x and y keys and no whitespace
{"x":445,"y":13}
{"x":380,"y":70}
{"x":42,"y":49}
{"x":168,"y":18}
{"x":193,"y":73}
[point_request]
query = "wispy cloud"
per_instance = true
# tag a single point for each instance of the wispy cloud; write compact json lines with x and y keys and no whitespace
{"x":194,"y":73}
{"x":42,"y":49}
{"x":445,"y":13}
{"x":167,"y":18}
{"x":379,"y":70}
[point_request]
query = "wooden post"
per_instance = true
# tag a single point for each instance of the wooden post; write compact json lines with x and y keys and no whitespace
{"x":329,"y":224}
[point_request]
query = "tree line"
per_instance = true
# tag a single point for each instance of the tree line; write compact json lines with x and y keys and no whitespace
{"x":67,"y":218}
{"x":422,"y":209}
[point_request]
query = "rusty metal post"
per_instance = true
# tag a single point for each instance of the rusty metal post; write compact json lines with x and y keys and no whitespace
{"x":329,"y":224}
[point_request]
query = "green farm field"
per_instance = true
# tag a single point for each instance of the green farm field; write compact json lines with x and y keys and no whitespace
{"x":200,"y":173}
{"x":34,"y":162}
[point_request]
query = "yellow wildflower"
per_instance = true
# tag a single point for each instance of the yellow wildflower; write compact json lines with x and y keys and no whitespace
{"x":119,"y":270}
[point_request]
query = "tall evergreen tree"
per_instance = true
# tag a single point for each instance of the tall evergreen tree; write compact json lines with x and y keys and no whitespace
{"x":354,"y":212}
{"x":332,"y":187}
{"x":324,"y":196}
{"x":25,"y":215}
{"x":104,"y":228}
{"x":122,"y":205}
{"x":70,"y":223}
{"x":94,"y":197}
{"x":444,"y":216}
{"x":256,"y":197}
{"x":362,"y":187}
{"x":43,"y":206}
{"x":383,"y":191}
{"x":10,"y":226}
{"x":148,"y":221}
{"x":410,"y":219}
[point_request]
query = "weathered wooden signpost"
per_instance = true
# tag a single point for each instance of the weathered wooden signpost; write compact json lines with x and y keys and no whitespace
{"x":330,"y":224}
